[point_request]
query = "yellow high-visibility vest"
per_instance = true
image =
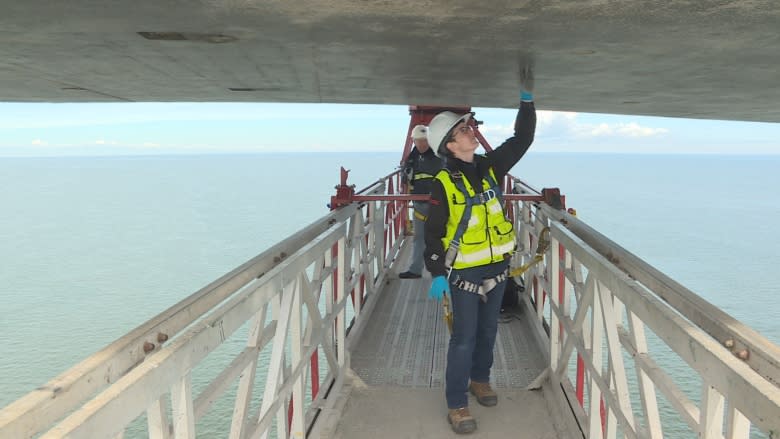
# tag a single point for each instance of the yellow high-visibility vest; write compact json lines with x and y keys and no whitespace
{"x":488,"y":236}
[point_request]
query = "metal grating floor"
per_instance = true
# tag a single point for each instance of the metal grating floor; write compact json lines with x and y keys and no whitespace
{"x":405,"y":343}
{"x":399,"y":361}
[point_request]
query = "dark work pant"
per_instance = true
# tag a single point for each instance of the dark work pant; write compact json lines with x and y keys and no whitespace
{"x":474,"y":328}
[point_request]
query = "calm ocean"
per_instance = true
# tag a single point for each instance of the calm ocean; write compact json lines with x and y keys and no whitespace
{"x":92,"y":247}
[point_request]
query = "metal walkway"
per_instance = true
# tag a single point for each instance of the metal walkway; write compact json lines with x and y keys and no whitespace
{"x":397,"y":389}
{"x":406,"y":343}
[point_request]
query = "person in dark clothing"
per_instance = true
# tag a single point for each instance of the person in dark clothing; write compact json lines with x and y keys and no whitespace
{"x":468,"y":243}
{"x":421,"y":166}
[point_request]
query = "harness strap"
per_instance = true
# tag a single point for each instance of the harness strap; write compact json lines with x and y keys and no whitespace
{"x":482,"y":289}
{"x":457,"y":178}
{"x":493,"y":191}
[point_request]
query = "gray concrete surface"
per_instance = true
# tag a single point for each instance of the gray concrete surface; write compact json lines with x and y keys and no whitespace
{"x":716,"y":59}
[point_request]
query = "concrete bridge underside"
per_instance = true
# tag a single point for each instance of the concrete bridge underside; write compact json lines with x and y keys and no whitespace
{"x":716,"y":59}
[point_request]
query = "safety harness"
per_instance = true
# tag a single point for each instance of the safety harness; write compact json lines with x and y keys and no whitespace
{"x":494,"y":191}
{"x":482,"y":289}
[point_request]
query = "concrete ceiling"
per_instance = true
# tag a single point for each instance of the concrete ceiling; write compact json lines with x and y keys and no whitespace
{"x":714,"y":59}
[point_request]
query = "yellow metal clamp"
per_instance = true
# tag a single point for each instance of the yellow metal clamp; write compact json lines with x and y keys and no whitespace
{"x":447,"y":313}
{"x":541,"y":249}
{"x":420,"y":216}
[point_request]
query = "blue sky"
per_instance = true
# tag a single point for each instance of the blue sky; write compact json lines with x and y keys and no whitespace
{"x":186,"y":128}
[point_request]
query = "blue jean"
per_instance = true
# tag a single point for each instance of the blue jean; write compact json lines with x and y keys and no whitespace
{"x":419,"y":238}
{"x":474,"y":328}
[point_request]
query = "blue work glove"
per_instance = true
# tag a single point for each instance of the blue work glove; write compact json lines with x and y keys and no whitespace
{"x":527,"y":80}
{"x":439,"y":287}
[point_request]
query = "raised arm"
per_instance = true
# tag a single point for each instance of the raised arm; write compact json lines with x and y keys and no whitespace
{"x":509,"y":153}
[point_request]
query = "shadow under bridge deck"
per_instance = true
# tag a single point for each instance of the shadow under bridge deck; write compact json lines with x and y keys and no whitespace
{"x":396,"y":384}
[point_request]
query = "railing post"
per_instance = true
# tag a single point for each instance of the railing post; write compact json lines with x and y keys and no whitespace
{"x":247,"y":381}
{"x":339,"y":294}
{"x":737,"y":425}
{"x":388,"y":226}
{"x":711,"y":412}
{"x":556,"y":326}
{"x":157,"y":420}
{"x":275,"y":374}
{"x":645,"y":384}
{"x":380,"y":250}
{"x":561,"y":270}
{"x":538,"y":287}
{"x":183,"y":412}
{"x":296,"y":424}
{"x":595,"y":416}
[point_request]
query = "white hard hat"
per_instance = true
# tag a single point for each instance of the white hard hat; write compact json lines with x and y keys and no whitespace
{"x":440,"y":127}
{"x":420,"y":132}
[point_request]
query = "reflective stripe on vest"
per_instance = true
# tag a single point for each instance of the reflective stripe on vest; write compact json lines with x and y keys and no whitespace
{"x":421,"y":176}
{"x":488,"y":236}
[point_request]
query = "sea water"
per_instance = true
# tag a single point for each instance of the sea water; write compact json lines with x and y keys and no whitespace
{"x":91,"y":247}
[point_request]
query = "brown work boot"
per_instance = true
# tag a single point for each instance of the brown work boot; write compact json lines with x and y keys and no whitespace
{"x":461,"y":420}
{"x":485,"y":395}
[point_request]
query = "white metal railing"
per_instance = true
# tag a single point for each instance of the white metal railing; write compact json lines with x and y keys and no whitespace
{"x":296,"y":302}
{"x":602,"y":314}
{"x":610,"y":320}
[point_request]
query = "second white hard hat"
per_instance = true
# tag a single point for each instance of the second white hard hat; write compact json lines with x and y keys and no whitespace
{"x":420,"y":132}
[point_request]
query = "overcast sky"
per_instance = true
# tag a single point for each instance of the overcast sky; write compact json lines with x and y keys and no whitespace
{"x":174,"y":128}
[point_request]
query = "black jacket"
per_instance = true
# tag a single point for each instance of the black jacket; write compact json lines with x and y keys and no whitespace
{"x":502,"y":159}
{"x":427,"y":163}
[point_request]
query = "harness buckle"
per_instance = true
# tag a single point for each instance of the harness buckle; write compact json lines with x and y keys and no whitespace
{"x":451,"y":254}
{"x":486,"y":196}
{"x":482,"y":289}
{"x":467,"y":286}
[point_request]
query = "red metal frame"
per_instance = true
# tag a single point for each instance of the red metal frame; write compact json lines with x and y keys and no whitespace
{"x":422,"y":115}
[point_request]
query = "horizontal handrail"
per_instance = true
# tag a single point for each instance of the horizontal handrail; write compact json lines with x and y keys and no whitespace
{"x":761,"y":354}
{"x":592,"y":297}
{"x":745,"y":390}
{"x":24,"y":417}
